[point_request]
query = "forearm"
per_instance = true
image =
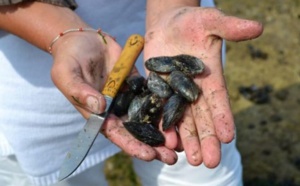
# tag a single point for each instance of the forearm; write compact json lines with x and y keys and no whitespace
{"x":38,"y":23}
{"x":64,"y":3}
{"x":156,"y":7}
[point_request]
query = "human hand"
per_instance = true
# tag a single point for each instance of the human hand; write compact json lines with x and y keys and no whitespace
{"x":82,"y":62}
{"x":199,"y":32}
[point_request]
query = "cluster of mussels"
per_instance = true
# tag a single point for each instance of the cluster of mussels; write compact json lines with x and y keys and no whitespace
{"x":164,"y":94}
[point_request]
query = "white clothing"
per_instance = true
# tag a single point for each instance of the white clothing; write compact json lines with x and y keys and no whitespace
{"x":228,"y":173}
{"x":11,"y":174}
{"x":38,"y":124}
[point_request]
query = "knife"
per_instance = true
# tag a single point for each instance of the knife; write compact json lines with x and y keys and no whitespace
{"x":88,"y":134}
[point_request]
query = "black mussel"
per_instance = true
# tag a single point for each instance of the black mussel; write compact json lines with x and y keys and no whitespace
{"x":136,"y":84}
{"x":177,"y":90}
{"x":173,"y":110}
{"x":151,"y":109}
{"x":158,"y":85}
{"x":162,"y":64}
{"x":145,"y":133}
{"x":187,"y":64}
{"x":121,"y":103}
{"x":183,"y":85}
{"x":135,"y":108}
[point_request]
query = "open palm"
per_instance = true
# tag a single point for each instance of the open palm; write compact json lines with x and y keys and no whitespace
{"x":199,"y":32}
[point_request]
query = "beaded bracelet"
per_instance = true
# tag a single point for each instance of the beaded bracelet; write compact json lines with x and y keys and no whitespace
{"x":99,"y":31}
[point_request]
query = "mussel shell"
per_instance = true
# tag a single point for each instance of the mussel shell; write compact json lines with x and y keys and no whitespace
{"x":151,"y":109}
{"x":121,"y":103}
{"x":135,"y":107}
{"x":162,"y":64}
{"x":136,"y":84}
{"x":145,"y":133}
{"x":188,"y":64}
{"x":157,"y":85}
{"x":173,"y":110}
{"x":183,"y":85}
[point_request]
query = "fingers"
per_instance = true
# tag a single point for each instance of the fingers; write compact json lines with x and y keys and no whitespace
{"x":189,"y":138}
{"x":166,"y":155}
{"x":221,"y":114}
{"x":210,"y":145}
{"x":115,"y":131}
{"x":215,"y":96}
{"x":171,"y":139}
{"x":198,"y":135}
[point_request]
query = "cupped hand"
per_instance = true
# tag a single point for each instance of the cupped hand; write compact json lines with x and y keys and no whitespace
{"x":199,"y":32}
{"x":82,"y":62}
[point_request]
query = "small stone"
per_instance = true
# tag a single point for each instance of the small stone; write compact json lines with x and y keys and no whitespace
{"x":275,"y":118}
{"x":266,"y":152}
{"x":263,"y":122}
{"x":282,"y":95}
{"x":251,"y":126}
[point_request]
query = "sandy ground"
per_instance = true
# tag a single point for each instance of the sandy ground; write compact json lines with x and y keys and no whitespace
{"x":268,"y":132}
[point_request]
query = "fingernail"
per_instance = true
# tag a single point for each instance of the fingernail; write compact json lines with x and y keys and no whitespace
{"x":93,"y":104}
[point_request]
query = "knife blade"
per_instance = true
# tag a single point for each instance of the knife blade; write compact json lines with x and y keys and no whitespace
{"x":86,"y":137}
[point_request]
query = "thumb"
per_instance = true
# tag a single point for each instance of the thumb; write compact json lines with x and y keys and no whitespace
{"x":235,"y":29}
{"x":86,"y":99}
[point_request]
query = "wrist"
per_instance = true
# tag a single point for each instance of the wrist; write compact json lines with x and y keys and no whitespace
{"x":77,"y":39}
{"x":72,"y":30}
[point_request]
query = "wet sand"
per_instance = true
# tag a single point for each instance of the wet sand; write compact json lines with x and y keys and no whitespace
{"x":268,"y":133}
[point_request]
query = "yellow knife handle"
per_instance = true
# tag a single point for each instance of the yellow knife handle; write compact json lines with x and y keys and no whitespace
{"x":123,"y":66}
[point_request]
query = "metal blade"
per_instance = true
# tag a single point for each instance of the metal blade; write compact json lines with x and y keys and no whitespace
{"x":82,"y":145}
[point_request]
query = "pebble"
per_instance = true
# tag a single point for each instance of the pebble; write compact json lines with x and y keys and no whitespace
{"x":275,"y":118}
{"x":282,"y":95}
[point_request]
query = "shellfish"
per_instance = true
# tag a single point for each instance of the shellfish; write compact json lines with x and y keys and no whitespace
{"x":159,"y":97}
